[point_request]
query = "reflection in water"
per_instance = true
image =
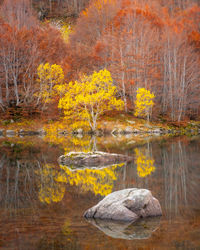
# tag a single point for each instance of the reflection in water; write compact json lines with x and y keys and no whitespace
{"x":181,"y":177}
{"x":32,"y":186}
{"x":144,"y":161}
{"x":52,"y":181}
{"x":78,"y":142}
{"x":49,"y":189}
{"x":97,"y":180}
{"x":17,"y":182}
{"x":141,"y":229}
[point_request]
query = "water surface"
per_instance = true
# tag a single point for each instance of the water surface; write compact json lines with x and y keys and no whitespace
{"x":42,"y":203}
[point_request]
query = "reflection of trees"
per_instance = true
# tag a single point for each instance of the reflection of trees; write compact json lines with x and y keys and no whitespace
{"x":61,"y":241}
{"x":99,"y":181}
{"x":49,"y":189}
{"x":144,"y":162}
{"x":17,"y":182}
{"x":176,"y":179}
{"x":180,"y":178}
{"x":77,"y":142}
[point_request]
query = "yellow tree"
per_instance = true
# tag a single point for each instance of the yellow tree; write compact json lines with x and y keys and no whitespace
{"x":144,"y":103}
{"x":49,"y":76}
{"x":65,"y":31}
{"x":87,"y":99}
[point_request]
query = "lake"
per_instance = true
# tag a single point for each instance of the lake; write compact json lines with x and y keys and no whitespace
{"x":42,"y":203}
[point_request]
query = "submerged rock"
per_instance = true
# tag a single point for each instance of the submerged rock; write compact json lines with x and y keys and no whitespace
{"x":1,"y":131}
{"x":97,"y":158}
{"x":142,"y":229}
{"x":10,"y":133}
{"x":27,"y":133}
{"x":126,"y":205}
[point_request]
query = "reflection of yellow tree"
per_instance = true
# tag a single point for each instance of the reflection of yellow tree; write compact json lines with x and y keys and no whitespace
{"x":69,"y":143}
{"x":145,"y":163}
{"x":50,"y":190}
{"x":99,"y":181}
{"x":66,"y":228}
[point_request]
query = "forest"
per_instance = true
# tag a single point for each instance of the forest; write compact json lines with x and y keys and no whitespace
{"x":47,"y":46}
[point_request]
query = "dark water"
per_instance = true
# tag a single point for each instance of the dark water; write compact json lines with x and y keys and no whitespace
{"x":42,"y":203}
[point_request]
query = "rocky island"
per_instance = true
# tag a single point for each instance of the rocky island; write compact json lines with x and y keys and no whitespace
{"x":92,"y":159}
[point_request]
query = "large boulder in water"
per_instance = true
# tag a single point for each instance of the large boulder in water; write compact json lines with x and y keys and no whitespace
{"x":126,"y":205}
{"x":92,"y":159}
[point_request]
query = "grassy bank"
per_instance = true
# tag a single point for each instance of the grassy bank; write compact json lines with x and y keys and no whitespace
{"x":116,"y":124}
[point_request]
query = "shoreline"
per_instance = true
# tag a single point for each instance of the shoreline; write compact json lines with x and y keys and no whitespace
{"x":119,"y":125}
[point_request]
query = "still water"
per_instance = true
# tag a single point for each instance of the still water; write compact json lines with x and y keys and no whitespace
{"x":42,"y":203}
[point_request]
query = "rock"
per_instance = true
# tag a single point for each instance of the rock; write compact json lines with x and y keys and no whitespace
{"x":157,"y":131}
{"x":1,"y":131}
{"x":62,"y":132}
{"x":79,"y":136}
{"x":28,"y":133}
{"x":126,"y":205}
{"x":117,"y":132}
{"x":128,"y":130}
{"x":131,"y":142}
{"x":10,"y":133}
{"x":99,"y":133}
{"x":79,"y":131}
{"x":131,"y":122}
{"x":41,"y":133}
{"x":93,"y":159}
{"x":128,"y":136}
{"x":136,"y":130}
{"x":142,"y":229}
{"x":120,"y":131}
{"x":114,"y":132}
{"x":148,"y":126}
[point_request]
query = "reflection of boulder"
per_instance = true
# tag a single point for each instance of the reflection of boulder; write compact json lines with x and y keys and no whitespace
{"x":93,"y":159}
{"x":126,"y":205}
{"x":142,"y":229}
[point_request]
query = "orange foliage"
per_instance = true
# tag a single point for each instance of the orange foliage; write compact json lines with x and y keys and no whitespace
{"x":24,"y":45}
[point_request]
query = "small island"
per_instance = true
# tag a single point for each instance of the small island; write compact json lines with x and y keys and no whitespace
{"x":93,"y":159}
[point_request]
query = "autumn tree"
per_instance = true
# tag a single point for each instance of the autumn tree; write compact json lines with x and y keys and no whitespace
{"x":18,"y":13}
{"x":144,"y":103}
{"x":24,"y":45}
{"x":48,"y":77}
{"x":87,"y":99}
{"x":151,"y":44}
{"x":90,"y":26}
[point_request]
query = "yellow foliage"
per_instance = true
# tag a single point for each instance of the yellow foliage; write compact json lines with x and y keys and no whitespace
{"x":144,"y":102}
{"x":49,"y":190}
{"x":68,"y":143}
{"x":87,"y":99}
{"x":145,"y":164}
{"x":53,"y":182}
{"x":78,"y":144}
{"x":99,"y":181}
{"x":65,"y":31}
{"x":66,"y":230}
{"x":50,"y":78}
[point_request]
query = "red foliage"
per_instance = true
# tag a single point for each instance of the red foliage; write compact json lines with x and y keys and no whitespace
{"x":24,"y":45}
